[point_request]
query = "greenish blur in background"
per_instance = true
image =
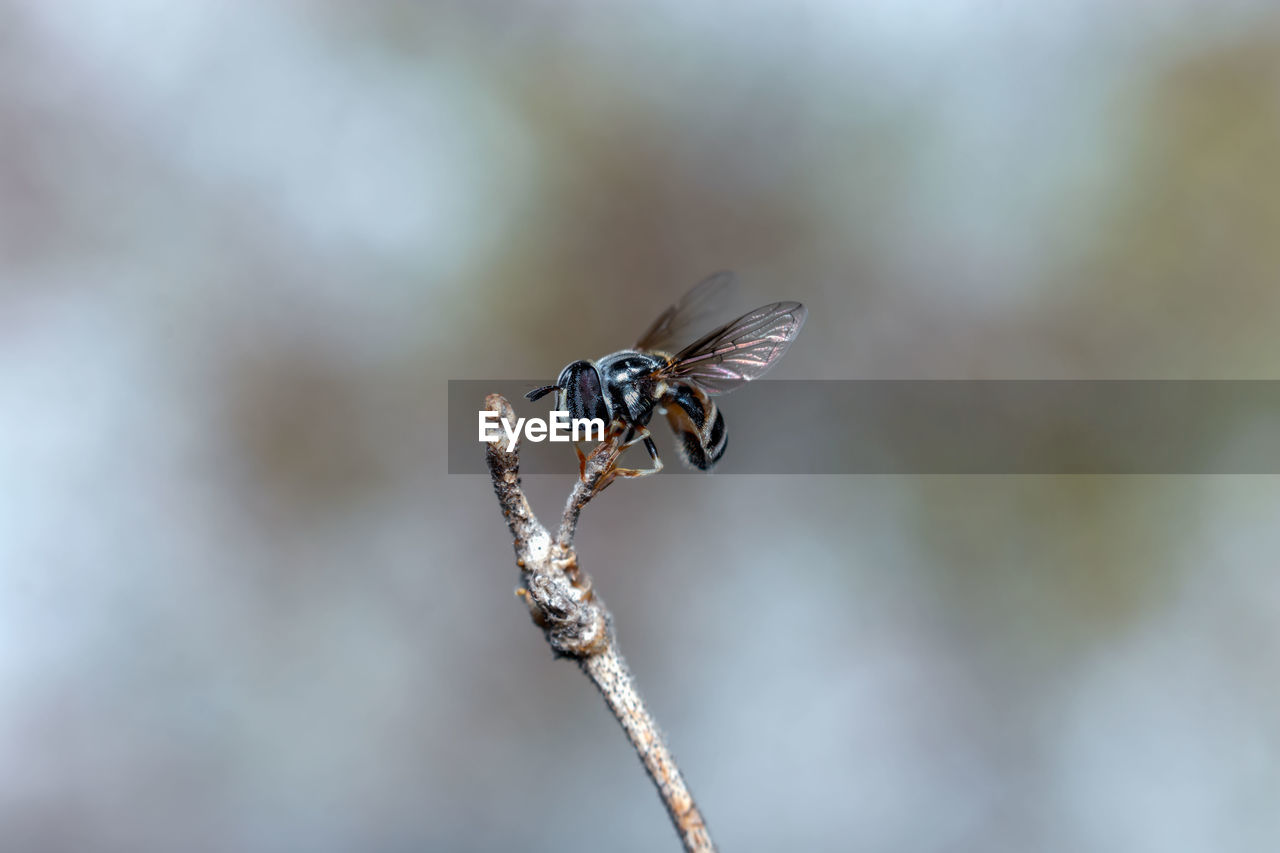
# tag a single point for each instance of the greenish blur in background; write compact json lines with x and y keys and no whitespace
{"x":244,"y":246}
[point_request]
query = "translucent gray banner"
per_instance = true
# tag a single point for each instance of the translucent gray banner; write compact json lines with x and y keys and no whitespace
{"x":942,"y":427}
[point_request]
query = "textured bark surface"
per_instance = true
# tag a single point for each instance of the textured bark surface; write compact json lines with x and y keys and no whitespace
{"x":575,"y":620}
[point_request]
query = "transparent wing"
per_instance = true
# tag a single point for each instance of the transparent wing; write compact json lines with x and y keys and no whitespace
{"x":741,"y":351}
{"x":694,"y":308}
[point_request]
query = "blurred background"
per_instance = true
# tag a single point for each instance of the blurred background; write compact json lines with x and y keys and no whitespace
{"x":243,"y":607}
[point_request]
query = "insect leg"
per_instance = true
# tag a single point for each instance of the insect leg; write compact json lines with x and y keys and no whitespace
{"x":642,"y":434}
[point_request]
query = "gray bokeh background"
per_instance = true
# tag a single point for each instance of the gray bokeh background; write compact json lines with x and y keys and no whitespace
{"x":243,"y":248}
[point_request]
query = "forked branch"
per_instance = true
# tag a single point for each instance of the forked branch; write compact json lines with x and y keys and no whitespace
{"x":575,"y":620}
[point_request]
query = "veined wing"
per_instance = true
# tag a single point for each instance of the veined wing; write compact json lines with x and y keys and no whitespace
{"x":740,"y":351}
{"x":682,"y":318}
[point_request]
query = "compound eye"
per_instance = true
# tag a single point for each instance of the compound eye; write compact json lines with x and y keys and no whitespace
{"x":584,"y":396}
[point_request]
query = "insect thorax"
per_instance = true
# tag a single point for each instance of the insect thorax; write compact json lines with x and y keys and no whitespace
{"x":627,"y":383}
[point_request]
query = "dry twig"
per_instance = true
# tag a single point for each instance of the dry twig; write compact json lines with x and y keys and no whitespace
{"x":576,"y":622}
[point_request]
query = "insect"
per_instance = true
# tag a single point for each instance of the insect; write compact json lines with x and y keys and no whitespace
{"x":626,"y":388}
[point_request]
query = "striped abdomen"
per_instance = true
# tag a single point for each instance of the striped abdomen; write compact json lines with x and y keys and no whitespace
{"x":698,"y":425}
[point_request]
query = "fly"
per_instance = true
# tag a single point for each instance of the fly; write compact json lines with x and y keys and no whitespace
{"x":626,"y":388}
